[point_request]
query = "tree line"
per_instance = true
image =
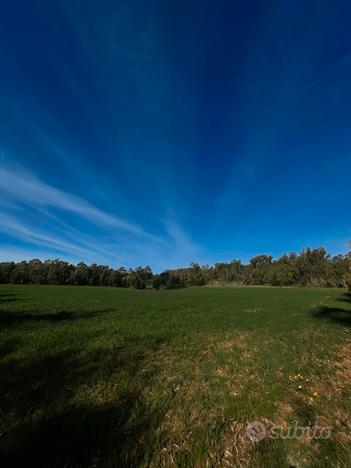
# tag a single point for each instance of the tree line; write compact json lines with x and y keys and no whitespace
{"x":310,"y":268}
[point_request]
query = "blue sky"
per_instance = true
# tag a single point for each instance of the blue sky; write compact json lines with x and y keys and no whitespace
{"x":160,"y":133}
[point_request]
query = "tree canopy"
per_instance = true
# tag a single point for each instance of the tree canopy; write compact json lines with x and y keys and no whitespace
{"x":310,"y":268}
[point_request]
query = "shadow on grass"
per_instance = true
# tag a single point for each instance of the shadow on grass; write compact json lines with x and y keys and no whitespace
{"x":83,"y":436}
{"x":336,"y":314}
{"x":346,"y":297}
{"x":8,"y":297}
{"x":12,"y":318}
{"x":43,"y":425}
{"x":8,"y":317}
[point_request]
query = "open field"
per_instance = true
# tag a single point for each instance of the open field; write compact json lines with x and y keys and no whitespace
{"x":94,"y":376}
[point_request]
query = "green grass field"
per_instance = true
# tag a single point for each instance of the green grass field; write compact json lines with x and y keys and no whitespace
{"x":114,"y":377}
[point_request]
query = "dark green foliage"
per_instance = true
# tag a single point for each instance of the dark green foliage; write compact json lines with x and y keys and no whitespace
{"x":140,"y":278}
{"x":311,"y":268}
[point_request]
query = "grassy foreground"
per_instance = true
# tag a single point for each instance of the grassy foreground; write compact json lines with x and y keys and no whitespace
{"x":114,"y":377}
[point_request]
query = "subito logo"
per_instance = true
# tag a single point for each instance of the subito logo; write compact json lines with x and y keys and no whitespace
{"x":256,"y":431}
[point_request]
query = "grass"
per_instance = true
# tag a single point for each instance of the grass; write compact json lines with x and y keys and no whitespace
{"x":114,"y":377}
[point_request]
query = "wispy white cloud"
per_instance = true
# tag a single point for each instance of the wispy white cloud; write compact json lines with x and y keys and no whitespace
{"x":32,"y":211}
{"x":30,"y":190}
{"x":16,"y":228}
{"x":10,"y":253}
{"x":183,"y":243}
{"x":322,"y":78}
{"x":76,"y":235}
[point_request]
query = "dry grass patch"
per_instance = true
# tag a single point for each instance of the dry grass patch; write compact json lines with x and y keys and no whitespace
{"x":237,"y":448}
{"x":238,"y":341}
{"x":284,"y":411}
{"x":339,"y":375}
